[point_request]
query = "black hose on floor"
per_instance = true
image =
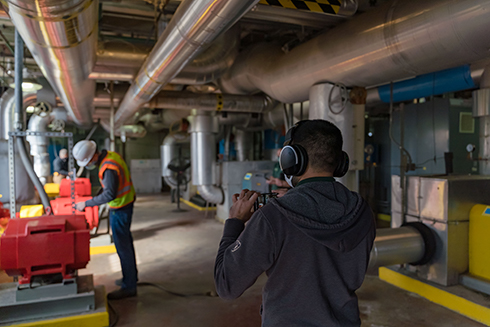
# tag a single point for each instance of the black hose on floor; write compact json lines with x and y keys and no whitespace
{"x":160,"y":287}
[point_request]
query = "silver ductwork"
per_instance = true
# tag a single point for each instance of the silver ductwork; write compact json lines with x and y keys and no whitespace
{"x":62,"y":39}
{"x":398,"y":40}
{"x":168,"y":152}
{"x":121,"y":60}
{"x":195,"y":24}
{"x":396,"y":246}
{"x":203,"y":156}
{"x":414,"y":243}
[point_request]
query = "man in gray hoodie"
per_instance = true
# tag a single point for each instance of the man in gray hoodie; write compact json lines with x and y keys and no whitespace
{"x":313,"y":243}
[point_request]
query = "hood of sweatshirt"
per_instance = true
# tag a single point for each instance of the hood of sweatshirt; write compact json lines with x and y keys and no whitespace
{"x":328,"y":213}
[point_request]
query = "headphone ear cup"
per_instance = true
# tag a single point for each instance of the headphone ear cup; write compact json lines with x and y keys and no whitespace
{"x":343,"y":166}
{"x":303,"y":159}
{"x":293,"y":160}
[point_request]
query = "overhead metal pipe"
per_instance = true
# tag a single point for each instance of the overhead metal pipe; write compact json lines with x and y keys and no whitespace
{"x":398,"y":40}
{"x":132,"y":131}
{"x":449,"y":80}
{"x":195,"y":24}
{"x":207,"y":102}
{"x":121,"y":60}
{"x":62,"y":39}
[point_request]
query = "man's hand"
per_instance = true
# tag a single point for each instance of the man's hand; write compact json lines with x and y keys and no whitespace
{"x":277,"y":181}
{"x":80,"y":206}
{"x":280,"y":192}
{"x":243,"y":204}
{"x":274,"y":181}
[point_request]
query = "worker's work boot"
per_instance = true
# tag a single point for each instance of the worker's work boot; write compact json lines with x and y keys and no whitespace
{"x":121,"y":294}
{"x":118,"y":282}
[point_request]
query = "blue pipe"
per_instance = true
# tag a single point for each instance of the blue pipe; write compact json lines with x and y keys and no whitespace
{"x":444,"y":81}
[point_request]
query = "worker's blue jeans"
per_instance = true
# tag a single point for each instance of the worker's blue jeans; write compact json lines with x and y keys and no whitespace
{"x":121,"y":224}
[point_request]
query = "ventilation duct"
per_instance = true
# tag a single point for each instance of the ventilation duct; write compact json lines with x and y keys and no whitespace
{"x":398,"y":40}
{"x":62,"y":39}
{"x":195,"y":24}
{"x":203,"y":157}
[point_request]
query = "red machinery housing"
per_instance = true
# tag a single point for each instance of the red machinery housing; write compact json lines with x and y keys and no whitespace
{"x":83,"y":191}
{"x":45,"y":245}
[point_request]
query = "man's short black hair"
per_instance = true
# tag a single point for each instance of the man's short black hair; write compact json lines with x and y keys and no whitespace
{"x":322,"y":141}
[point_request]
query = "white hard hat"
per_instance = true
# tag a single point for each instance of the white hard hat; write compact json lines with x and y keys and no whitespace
{"x":84,"y":151}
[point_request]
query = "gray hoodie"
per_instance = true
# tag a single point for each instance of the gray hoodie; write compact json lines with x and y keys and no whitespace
{"x":314,"y":245}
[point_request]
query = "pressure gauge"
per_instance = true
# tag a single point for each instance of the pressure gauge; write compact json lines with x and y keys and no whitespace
{"x":470,"y":148}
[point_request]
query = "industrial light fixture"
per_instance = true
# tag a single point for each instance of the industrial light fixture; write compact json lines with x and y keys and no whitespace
{"x":29,"y":83}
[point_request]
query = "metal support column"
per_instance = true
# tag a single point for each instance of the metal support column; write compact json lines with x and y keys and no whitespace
{"x":11,"y":176}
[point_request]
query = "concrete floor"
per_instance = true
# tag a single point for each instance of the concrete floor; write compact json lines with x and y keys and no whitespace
{"x":177,"y":251}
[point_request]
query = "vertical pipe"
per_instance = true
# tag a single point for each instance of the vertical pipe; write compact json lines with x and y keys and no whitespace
{"x":18,"y":66}
{"x":113,"y":143}
{"x":403,"y":160}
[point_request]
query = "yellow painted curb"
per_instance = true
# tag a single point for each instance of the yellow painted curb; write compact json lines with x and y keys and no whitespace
{"x":100,"y":319}
{"x":452,"y":302}
{"x":192,"y":205}
{"x":102,"y":249}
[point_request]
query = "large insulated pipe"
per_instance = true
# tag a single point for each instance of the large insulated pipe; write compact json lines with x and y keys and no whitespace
{"x":203,"y":156}
{"x":121,"y":60}
{"x":413,"y":243}
{"x":445,"y":81}
{"x":61,"y":37}
{"x":133,"y":131}
{"x":195,"y":24}
{"x":398,"y":40}
{"x":39,"y":147}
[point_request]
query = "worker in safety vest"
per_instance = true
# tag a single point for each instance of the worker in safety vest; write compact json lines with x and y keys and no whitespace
{"x":118,"y":192}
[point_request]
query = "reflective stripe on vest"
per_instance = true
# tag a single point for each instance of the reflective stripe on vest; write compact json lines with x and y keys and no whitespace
{"x":125,"y":190}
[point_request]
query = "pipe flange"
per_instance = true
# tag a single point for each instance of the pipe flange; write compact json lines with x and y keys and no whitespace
{"x":429,"y":241}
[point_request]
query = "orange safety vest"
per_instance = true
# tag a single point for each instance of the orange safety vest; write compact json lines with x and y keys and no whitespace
{"x":125,"y":190}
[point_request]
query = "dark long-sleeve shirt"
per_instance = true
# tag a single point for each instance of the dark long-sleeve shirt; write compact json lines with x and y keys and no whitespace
{"x":314,"y":245}
{"x":60,"y":166}
{"x":109,"y":193}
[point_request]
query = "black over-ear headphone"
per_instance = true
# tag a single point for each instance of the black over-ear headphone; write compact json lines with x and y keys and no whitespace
{"x":294,"y":159}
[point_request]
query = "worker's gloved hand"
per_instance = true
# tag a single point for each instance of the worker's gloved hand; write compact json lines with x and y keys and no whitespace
{"x":243,"y":204}
{"x":80,"y":206}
